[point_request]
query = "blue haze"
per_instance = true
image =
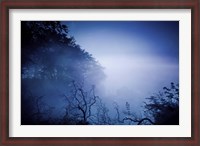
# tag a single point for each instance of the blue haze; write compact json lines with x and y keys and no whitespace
{"x":139,"y":57}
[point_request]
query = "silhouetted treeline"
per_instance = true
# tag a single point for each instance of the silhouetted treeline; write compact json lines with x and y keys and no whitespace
{"x":50,"y":61}
{"x":59,"y":79}
{"x":161,"y":108}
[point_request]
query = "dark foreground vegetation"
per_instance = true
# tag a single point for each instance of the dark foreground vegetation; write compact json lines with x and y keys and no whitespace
{"x":56,"y":71}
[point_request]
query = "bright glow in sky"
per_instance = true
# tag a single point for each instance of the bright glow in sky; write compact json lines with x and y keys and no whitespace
{"x":139,"y":57}
{"x":137,"y":74}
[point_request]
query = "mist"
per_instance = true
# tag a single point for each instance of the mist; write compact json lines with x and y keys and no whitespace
{"x":100,"y":72}
{"x":139,"y":58}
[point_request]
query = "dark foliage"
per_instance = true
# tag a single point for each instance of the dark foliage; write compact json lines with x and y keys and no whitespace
{"x":160,"y":109}
{"x":54,"y":67}
{"x":48,"y":53}
{"x":163,"y":107}
{"x":51,"y":59}
{"x":79,"y":104}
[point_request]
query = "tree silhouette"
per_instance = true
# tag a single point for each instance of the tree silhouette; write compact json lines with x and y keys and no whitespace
{"x":51,"y":59}
{"x":126,"y":117}
{"x":79,"y":104}
{"x":163,"y":107}
{"x":49,"y":53}
{"x":160,"y":109}
{"x":53,"y":64}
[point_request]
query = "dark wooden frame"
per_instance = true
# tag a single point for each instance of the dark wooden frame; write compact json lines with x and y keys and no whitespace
{"x":102,"y":4}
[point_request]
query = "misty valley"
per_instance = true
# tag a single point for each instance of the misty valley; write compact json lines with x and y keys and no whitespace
{"x":87,"y":73}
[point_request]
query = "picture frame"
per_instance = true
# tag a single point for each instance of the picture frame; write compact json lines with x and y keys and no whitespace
{"x":7,"y":5}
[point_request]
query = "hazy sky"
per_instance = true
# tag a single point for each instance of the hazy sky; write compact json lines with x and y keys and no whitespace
{"x":139,"y":57}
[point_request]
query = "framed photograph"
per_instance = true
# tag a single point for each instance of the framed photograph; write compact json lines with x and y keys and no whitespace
{"x":100,"y":72}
